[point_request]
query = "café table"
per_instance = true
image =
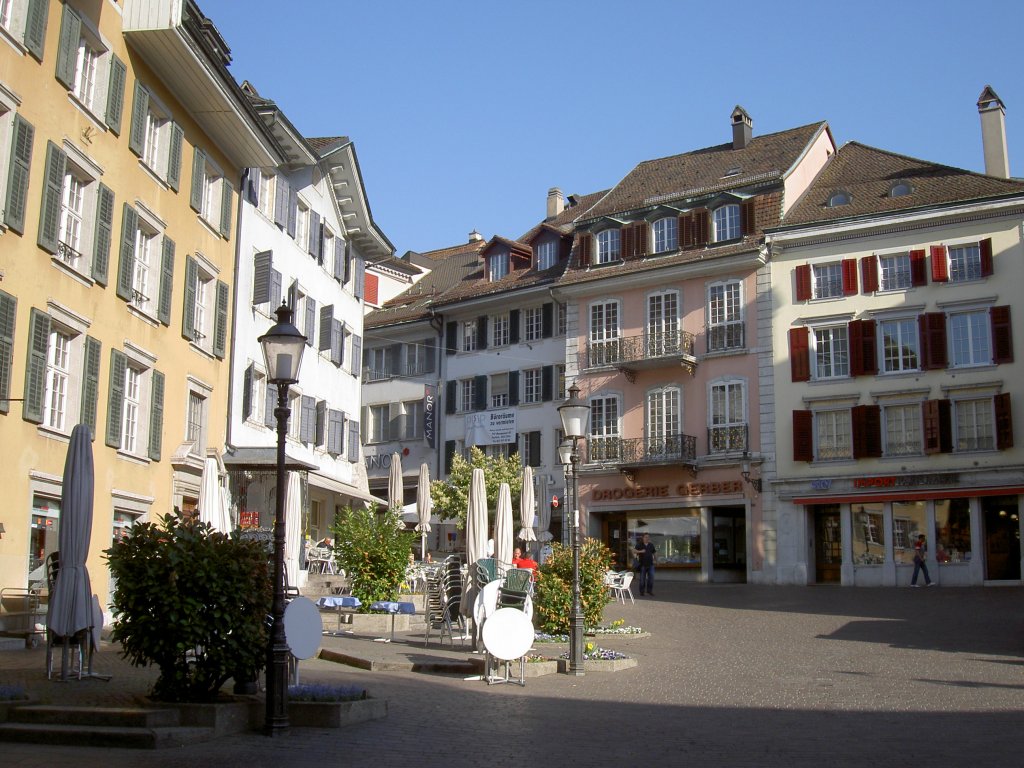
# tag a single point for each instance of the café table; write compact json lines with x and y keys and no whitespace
{"x":394,"y":608}
{"x":340,"y":602}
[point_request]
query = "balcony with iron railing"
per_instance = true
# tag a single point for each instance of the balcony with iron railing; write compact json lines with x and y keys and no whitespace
{"x":635,"y":452}
{"x":630,"y":354}
{"x":401,"y":371}
{"x":67,"y":254}
{"x":731,"y":438}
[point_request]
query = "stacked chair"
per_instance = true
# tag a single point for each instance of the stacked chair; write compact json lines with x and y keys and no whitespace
{"x":444,"y":593}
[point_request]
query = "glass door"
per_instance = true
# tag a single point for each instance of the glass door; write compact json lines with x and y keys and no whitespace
{"x":828,"y":544}
{"x":1001,"y":518}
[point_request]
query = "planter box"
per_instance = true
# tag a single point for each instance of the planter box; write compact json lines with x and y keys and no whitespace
{"x":541,"y":668}
{"x":222,"y":717}
{"x":247,"y":714}
{"x":335,"y":714}
{"x":613,"y":665}
{"x":375,"y":623}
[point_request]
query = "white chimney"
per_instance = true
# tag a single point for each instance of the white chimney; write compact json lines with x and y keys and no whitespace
{"x":475,"y":237}
{"x":556,"y":204}
{"x":742,"y":128}
{"x":993,"y":133}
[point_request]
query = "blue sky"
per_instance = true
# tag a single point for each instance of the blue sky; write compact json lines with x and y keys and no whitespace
{"x":464,"y":114}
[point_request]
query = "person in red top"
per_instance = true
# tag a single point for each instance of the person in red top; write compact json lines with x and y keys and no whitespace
{"x":519,"y":561}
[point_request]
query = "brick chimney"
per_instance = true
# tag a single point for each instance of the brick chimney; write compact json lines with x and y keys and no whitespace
{"x":742,"y":128}
{"x":556,"y":203}
{"x":993,"y":133}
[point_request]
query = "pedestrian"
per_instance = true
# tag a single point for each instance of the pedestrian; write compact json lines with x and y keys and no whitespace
{"x":645,"y":564}
{"x":920,"y":555}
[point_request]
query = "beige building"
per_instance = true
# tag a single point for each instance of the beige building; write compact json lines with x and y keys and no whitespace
{"x":124,"y":137}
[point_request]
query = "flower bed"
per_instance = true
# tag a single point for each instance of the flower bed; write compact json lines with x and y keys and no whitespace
{"x":620,"y":630}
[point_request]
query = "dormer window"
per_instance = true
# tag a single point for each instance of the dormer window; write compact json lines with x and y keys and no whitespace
{"x":900,"y":188}
{"x":609,"y":246}
{"x":838,"y":198}
{"x":727,"y":222}
{"x":547,"y":254}
{"x":497,"y":266}
{"x":666,"y":234}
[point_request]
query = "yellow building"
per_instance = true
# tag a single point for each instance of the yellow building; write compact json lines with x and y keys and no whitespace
{"x":122,"y":137}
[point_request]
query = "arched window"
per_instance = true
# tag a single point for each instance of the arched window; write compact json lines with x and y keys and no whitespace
{"x":609,"y":246}
{"x":839,"y":198}
{"x":900,"y":188}
{"x":727,"y":222}
{"x":666,"y":234}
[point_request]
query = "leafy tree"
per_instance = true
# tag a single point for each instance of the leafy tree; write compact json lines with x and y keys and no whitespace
{"x":373,"y":548}
{"x":451,"y":495}
{"x":552,"y":599}
{"x":192,"y":602}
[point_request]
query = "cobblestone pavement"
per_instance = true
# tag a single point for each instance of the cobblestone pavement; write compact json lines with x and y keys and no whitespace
{"x":731,"y":676}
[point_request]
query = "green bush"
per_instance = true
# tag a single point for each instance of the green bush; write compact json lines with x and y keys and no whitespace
{"x":552,"y":601}
{"x":451,"y":495}
{"x":373,"y":548}
{"x":193,"y":602}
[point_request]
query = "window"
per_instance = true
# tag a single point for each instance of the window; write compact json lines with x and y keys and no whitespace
{"x":377,"y":364}
{"x":469,"y":340}
{"x":609,"y":246}
{"x":837,"y":199}
{"x":499,"y":330}
{"x":831,"y":352}
{"x":58,"y":372}
{"x":953,"y":530}
{"x":196,"y":424}
{"x":302,"y":225}
{"x":902,"y":430}
{"x":560,"y":319}
{"x":725,"y":316}
{"x":899,"y":342}
{"x":86,"y":66}
{"x":728,"y":430}
{"x":975,"y":425}
{"x":295,"y":417}
{"x":379,"y":431}
{"x":413,"y":419}
{"x":547,"y":254}
{"x":663,"y":324}
{"x":534,"y":322}
{"x":72,"y":213}
{"x":132,"y":405}
{"x":497,"y":266}
{"x":869,"y":534}
{"x":900,"y":189}
{"x":604,"y":333}
{"x":908,"y":521}
{"x":158,"y":141}
{"x":532,"y":385}
{"x":663,"y":420}
{"x":531,"y":454}
{"x":145,"y":258}
{"x":726,"y":220}
{"x":603,"y":442}
{"x":560,"y":382}
{"x":666,"y":234}
{"x":199,"y":328}
{"x":467,"y":395}
{"x":964,"y":263}
{"x":212,"y":195}
{"x":828,"y":280}
{"x":266,"y":194}
{"x":833,"y":435}
{"x":205,"y":317}
{"x":259,"y":408}
{"x":895,"y":271}
{"x":419,"y":357}
{"x":499,"y":390}
{"x":970,"y":338}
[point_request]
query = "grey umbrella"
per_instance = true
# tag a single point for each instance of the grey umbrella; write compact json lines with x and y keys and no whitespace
{"x":70,"y":607}
{"x":395,"y":491}
{"x":526,"y":504}
{"x":503,"y":527}
{"x":476,"y":537}
{"x":424,"y":504}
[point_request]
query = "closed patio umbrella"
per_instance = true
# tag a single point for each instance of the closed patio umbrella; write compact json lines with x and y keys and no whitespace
{"x":544,"y":522}
{"x":395,"y":492}
{"x":503,"y":526}
{"x":476,"y":537}
{"x":526,"y":504}
{"x":293,"y":528}
{"x":424,"y":504}
{"x":212,"y":498}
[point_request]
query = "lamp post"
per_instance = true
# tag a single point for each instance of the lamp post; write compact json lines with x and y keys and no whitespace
{"x":575,"y":415}
{"x":282,"y":353}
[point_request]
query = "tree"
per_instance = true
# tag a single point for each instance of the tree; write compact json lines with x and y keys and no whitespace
{"x":450,"y":496}
{"x":373,"y":548}
{"x":552,"y":598}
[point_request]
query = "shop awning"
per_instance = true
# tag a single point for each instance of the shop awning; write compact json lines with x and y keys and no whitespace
{"x":949,"y":493}
{"x":262,"y":459}
{"x":344,"y":489}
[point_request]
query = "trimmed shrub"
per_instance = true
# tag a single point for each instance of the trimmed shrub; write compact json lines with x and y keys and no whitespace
{"x":373,"y":548}
{"x":552,"y":601}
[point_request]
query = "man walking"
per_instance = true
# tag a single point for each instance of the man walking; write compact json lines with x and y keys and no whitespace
{"x":645,"y":564}
{"x":920,"y":556}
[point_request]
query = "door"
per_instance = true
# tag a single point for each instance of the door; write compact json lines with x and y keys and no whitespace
{"x":828,"y":544}
{"x":616,"y":539}
{"x":729,"y":544}
{"x":663,"y":324}
{"x":1001,"y":518}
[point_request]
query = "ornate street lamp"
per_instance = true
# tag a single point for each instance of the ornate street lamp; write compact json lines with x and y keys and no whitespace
{"x":754,"y":482}
{"x":282,"y":353}
{"x":575,"y":415}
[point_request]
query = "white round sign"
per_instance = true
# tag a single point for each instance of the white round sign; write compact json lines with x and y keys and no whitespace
{"x":303,"y":627}
{"x":508,"y":634}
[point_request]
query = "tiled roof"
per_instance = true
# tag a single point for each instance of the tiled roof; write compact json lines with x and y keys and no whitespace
{"x":706,"y":170}
{"x":867,"y":174}
{"x":321,"y":143}
{"x":564,"y":220}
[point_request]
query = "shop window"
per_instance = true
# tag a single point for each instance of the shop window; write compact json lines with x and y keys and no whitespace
{"x":676,"y":539}
{"x":42,"y":538}
{"x":953,"y":531}
{"x":868,"y":535}
{"x":908,"y":522}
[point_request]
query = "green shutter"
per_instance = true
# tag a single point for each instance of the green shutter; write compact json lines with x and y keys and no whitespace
{"x":115,"y":94}
{"x":163,"y":312}
{"x":35,"y":367}
{"x":220,"y":333}
{"x":188,"y":315}
{"x":104,"y":234}
{"x":174,"y":157}
{"x":90,"y":384}
{"x":35,"y":26}
{"x":53,"y":185}
{"x":226,"y":211}
{"x":17,"y":178}
{"x":67,"y":48}
{"x":156,"y":416}
{"x":115,"y":398}
{"x":198,"y":180}
{"x":126,"y":268}
{"x":8,"y":314}
{"x":140,"y":108}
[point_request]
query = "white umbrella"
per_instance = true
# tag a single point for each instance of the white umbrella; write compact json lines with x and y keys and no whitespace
{"x":526,"y":504}
{"x":544,"y":522}
{"x":396,"y":493}
{"x":424,"y":504}
{"x":212,"y":500}
{"x":476,"y":537}
{"x":503,"y":526}
{"x":293,"y":527}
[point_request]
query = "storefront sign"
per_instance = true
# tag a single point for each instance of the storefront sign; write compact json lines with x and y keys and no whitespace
{"x":491,"y":427}
{"x":906,"y":481}
{"x":429,"y":421}
{"x":383,"y":461}
{"x":666,"y":491}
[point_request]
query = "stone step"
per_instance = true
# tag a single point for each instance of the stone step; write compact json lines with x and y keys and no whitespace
{"x":12,"y":644}
{"x":103,"y":736}
{"x":95,"y":717}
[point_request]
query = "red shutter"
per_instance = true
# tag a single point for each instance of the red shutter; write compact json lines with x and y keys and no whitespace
{"x":940,"y":267}
{"x":640,"y":238}
{"x":985,"y":247}
{"x":932,"y":326}
{"x":748,"y":221}
{"x":803,"y":282}
{"x":869,"y":273}
{"x":626,"y":242}
{"x":1002,"y":335}
{"x":863,"y":359}
{"x":1004,"y":422}
{"x":938,"y":433}
{"x":866,"y":421}
{"x":918,"y":269}
{"x":803,"y":436}
{"x":799,"y":354}
{"x":854,"y":330}
{"x":585,"y":244}
{"x":849,"y":277}
{"x":701,"y":226}
{"x":371,"y":289}
{"x":685,"y":231}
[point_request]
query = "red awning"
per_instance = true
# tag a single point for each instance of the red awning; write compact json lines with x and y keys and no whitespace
{"x":908,"y":495}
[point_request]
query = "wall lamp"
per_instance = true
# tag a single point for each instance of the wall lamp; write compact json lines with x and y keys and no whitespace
{"x":755,"y":482}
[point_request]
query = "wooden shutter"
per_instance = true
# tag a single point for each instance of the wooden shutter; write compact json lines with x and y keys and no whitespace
{"x":339,"y":259}
{"x":938,"y":432}
{"x":356,"y":358}
{"x":177,"y":140}
{"x":748,"y":217}
{"x":90,"y":384}
{"x":1004,"y":421}
{"x":281,"y":196}
{"x":163,"y":312}
{"x":115,"y":397}
{"x":251,"y":186}
{"x":641,"y":231}
{"x":449,"y":456}
{"x":513,"y":387}
{"x":533,"y":443}
{"x":307,"y":419}
{"x":547,"y":320}
{"x":247,"y":382}
{"x":226,"y":208}
{"x":126,"y":265}
{"x":849,"y":269}
{"x":985,"y":250}
{"x":263,"y":263}
{"x":320,"y":430}
{"x":627,"y":246}
{"x":67,"y":47}
{"x":275,"y":289}
{"x":8,"y":317}
{"x":481,"y":332}
{"x":866,"y":422}
{"x":220,"y":330}
{"x":803,"y":282}
{"x":940,"y":265}
{"x":803,"y":436}
{"x":800,"y":353}
{"x":430,"y":355}
{"x":353,"y":440}
{"x":18,"y":174}
{"x":156,"y":417}
{"x":53,"y":186}
{"x":584,"y":246}
{"x":326,"y":322}
{"x":451,"y":394}
{"x":932,"y":327}
{"x":513,"y":326}
{"x":103,"y":234}
{"x":188,"y":315}
{"x":547,"y":383}
{"x":335,"y":432}
{"x":1002,"y":334}
{"x":137,"y":130}
{"x":37,"y":13}
{"x":195,"y":200}
{"x":293,"y":210}
{"x":35,"y":366}
{"x":313,"y":236}
{"x":115,"y":94}
{"x":869,"y":273}
{"x":270,"y":403}
{"x":480,"y":392}
{"x":451,"y":337}
{"x":863,"y":357}
{"x":337,"y":342}
{"x":358,"y":276}
{"x":310,"y":327}
{"x":701,"y":226}
{"x":918,"y":268}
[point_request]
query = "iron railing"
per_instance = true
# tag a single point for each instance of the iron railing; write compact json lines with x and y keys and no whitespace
{"x":725,"y":336}
{"x":632,"y":349}
{"x":380,"y":373}
{"x":67,"y":254}
{"x":727,"y":438}
{"x":633,"y":451}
